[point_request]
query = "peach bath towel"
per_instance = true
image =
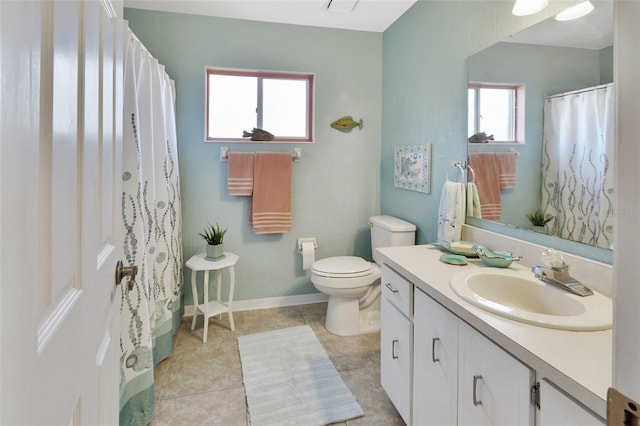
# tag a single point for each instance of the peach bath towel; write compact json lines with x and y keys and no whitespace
{"x":271,"y":202}
{"x":507,"y":161}
{"x":240,"y":173}
{"x":487,"y":170}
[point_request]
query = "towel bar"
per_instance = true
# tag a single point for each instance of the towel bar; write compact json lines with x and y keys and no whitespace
{"x":296,"y":155}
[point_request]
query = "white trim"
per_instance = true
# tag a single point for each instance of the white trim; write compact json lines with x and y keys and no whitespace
{"x":269,"y":302}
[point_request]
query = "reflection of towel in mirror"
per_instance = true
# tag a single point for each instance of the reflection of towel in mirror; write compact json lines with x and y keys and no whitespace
{"x":473,"y":201}
{"x":451,"y":212}
{"x":507,"y":162}
{"x":487,"y":169}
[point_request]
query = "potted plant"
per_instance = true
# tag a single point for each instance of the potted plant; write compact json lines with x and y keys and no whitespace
{"x":214,"y":236}
{"x":539,"y":221}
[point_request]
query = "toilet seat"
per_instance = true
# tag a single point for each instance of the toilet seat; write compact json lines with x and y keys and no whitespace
{"x":345,"y":273}
{"x":342,"y":267}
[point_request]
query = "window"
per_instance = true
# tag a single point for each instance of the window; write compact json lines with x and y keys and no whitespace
{"x":280,"y":103}
{"x":498,"y":110}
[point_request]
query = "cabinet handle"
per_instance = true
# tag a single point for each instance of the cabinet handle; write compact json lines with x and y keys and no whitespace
{"x":393,"y":290}
{"x":393,"y":349}
{"x":433,"y":350}
{"x":476,"y":401}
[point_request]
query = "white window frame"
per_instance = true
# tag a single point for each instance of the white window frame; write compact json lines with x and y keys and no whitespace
{"x":308,"y":77}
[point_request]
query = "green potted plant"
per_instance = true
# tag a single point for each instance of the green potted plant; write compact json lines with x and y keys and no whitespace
{"x":539,"y":221}
{"x":214,"y":236}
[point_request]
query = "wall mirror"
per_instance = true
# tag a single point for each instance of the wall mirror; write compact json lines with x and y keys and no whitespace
{"x":550,"y":62}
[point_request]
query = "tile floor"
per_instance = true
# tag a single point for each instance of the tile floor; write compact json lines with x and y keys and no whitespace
{"x":201,"y":383}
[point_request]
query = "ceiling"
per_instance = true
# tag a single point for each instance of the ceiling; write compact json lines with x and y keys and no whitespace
{"x":593,"y":31}
{"x":366,"y":15}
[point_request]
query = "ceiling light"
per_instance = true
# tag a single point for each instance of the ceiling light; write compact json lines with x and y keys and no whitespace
{"x":528,"y":7}
{"x":575,"y":12}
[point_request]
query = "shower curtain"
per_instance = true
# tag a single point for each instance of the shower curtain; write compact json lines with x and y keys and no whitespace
{"x":151,"y":311}
{"x":577,"y":165}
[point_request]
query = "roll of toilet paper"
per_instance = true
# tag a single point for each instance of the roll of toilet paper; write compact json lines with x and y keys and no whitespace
{"x":308,"y":254}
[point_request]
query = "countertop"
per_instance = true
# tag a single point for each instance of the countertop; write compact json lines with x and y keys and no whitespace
{"x":579,"y":363}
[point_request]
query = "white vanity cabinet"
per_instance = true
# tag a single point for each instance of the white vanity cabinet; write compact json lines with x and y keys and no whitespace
{"x":461,"y":377}
{"x":493,"y":387}
{"x":558,"y":409}
{"x":435,"y":363}
{"x":396,"y":340}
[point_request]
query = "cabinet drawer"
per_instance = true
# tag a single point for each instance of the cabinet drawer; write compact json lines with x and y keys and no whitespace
{"x":397,"y":290}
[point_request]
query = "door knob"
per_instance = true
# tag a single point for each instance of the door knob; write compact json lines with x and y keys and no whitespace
{"x":126,"y":271}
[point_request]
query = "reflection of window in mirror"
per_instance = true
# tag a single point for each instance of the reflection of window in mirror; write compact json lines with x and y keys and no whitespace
{"x":280,"y":103}
{"x":496,"y":113}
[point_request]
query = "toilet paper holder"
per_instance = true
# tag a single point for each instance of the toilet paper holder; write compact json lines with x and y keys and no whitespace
{"x":301,"y":241}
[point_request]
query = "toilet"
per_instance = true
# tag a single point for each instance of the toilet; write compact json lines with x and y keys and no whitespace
{"x":353,"y":284}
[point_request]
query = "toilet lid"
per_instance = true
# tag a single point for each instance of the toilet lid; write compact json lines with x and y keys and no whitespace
{"x":342,"y":266}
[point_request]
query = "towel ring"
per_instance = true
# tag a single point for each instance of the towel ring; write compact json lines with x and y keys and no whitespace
{"x":459,"y":166}
{"x":471,"y":173}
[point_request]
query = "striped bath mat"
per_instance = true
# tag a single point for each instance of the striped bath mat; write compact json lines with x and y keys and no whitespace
{"x":289,"y":380}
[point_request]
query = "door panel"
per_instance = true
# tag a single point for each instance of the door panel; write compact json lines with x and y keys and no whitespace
{"x":60,"y":171}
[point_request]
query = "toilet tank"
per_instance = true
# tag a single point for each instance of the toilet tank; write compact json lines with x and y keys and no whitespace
{"x":389,"y":231}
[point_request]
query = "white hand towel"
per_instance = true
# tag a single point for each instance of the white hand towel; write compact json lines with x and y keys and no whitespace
{"x":451,"y":212}
{"x":473,"y":201}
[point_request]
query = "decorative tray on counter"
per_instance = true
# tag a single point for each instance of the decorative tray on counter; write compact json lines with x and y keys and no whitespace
{"x":463,"y":248}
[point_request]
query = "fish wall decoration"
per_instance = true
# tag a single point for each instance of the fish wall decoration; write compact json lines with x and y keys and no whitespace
{"x":346,"y":124}
{"x":257,"y":135}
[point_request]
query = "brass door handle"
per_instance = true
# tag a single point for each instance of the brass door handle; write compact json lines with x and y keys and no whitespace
{"x":126,"y":271}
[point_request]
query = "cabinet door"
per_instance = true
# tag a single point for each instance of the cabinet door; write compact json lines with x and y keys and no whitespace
{"x":435,"y":363}
{"x":396,"y":334}
{"x":557,"y":409}
{"x":493,"y":387}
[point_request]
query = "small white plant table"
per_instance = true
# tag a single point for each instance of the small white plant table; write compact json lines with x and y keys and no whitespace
{"x":215,"y":307}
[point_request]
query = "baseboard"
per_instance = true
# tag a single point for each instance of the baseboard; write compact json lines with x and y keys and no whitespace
{"x":269,"y":302}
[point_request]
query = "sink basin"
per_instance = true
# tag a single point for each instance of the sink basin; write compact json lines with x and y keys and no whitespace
{"x":516,"y":294}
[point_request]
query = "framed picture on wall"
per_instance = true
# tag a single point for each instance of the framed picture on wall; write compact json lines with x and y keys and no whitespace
{"x":412,"y":169}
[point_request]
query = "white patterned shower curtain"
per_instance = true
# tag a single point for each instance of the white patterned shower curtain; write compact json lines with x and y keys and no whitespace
{"x":151,"y":311}
{"x":577,"y":165}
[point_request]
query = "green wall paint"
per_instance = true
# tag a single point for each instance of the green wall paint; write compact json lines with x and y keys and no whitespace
{"x":336,"y":186}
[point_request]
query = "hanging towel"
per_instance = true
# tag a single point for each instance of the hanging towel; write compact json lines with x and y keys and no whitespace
{"x":240,"y":173}
{"x":507,"y":162}
{"x":451,"y":212}
{"x":271,"y":202}
{"x":473,"y":201}
{"x":487,"y":169}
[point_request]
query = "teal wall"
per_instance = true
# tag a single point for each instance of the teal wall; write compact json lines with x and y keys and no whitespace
{"x":424,"y":89}
{"x":418,"y":67}
{"x":545,"y":71}
{"x":606,"y":65}
{"x":424,"y":92}
{"x":335,"y":188}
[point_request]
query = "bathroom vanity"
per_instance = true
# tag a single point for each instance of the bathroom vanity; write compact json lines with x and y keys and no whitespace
{"x":446,"y":361}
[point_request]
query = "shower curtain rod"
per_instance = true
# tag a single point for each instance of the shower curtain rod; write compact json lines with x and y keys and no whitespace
{"x":575,"y":92}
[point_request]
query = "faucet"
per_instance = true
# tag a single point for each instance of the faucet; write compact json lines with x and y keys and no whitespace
{"x":559,"y":276}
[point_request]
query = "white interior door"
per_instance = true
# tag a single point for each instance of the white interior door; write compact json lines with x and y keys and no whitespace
{"x":60,"y":177}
